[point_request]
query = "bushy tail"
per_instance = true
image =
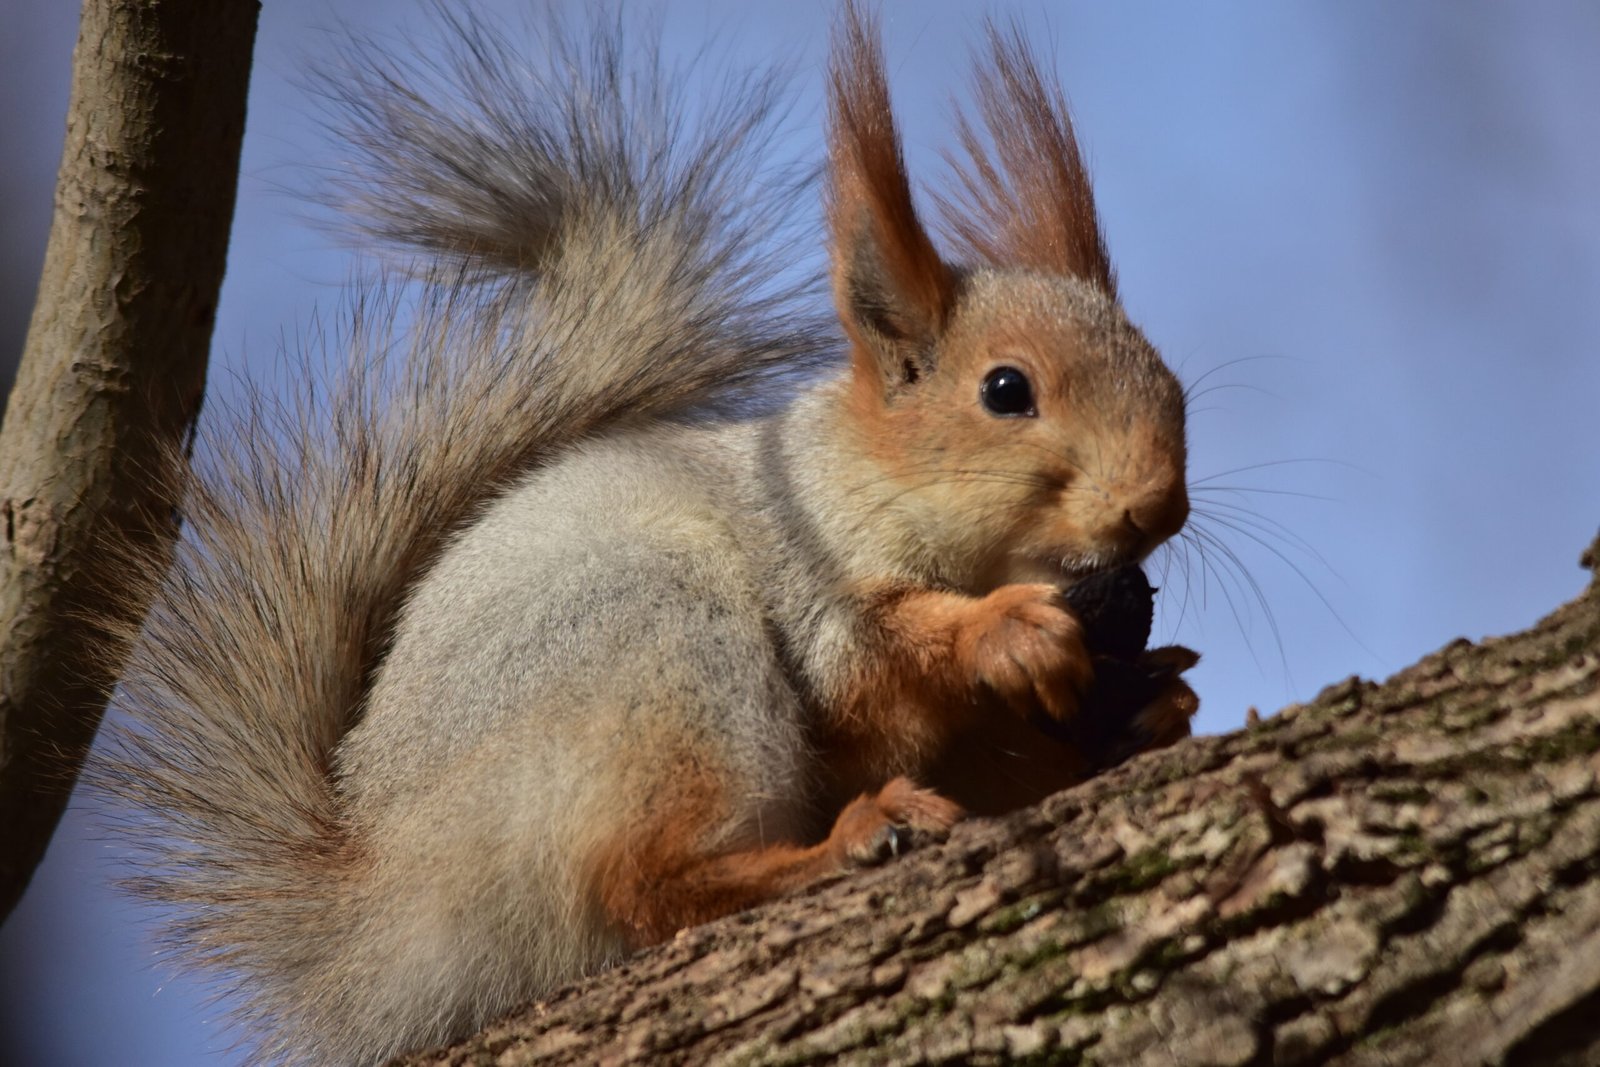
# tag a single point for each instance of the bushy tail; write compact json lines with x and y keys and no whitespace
{"x":589,"y":257}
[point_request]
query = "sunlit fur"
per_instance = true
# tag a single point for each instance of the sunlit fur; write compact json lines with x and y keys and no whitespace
{"x":1098,"y":477}
{"x":1021,"y":197}
{"x":1095,"y":480}
{"x":512,"y":651}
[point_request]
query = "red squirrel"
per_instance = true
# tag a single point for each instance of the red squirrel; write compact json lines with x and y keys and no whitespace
{"x":532,"y":643}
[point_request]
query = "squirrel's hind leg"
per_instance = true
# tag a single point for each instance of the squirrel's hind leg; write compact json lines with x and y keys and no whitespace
{"x":657,"y":879}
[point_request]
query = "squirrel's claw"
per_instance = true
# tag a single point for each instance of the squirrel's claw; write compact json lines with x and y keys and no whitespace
{"x":874,"y":828}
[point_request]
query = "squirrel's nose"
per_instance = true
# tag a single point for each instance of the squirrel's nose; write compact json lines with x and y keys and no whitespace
{"x":1156,"y":515}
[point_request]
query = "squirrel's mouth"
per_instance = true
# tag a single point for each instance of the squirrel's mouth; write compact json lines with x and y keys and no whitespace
{"x":1068,"y":568}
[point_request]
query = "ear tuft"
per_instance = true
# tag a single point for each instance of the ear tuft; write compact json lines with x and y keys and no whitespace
{"x":1024,"y":198}
{"x":893,"y":292}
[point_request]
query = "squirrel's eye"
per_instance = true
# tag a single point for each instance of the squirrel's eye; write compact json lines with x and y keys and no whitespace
{"x":1006,"y":391}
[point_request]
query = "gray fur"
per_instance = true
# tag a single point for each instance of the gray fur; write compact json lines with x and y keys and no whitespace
{"x":442,"y":631}
{"x":321,"y":875}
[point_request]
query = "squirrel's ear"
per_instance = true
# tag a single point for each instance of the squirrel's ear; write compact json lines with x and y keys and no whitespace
{"x":1024,"y":198}
{"x":892,"y":291}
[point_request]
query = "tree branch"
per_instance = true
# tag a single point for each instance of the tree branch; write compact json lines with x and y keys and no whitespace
{"x":1402,"y":873}
{"x":113,"y":370}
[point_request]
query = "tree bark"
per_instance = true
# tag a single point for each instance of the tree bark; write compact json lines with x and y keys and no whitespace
{"x":1403,"y":873}
{"x":112,"y":373}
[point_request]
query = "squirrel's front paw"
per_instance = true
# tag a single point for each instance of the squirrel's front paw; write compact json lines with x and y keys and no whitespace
{"x":873,"y":828}
{"x":1136,"y":705}
{"x":1164,"y":720}
{"x":1022,"y":642}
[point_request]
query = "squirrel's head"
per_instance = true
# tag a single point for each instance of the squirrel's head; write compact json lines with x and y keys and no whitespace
{"x":1021,"y":424}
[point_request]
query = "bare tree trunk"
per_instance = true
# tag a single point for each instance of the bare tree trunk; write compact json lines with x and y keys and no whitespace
{"x":113,"y":370}
{"x":1404,"y":873}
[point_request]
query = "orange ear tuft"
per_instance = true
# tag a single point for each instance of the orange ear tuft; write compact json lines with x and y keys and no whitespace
{"x":892,"y":290}
{"x":1031,"y":205}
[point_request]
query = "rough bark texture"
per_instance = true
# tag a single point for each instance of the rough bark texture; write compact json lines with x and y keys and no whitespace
{"x":113,"y":370}
{"x":1391,"y":874}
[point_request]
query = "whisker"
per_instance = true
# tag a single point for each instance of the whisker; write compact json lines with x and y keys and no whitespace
{"x":1246,"y":583}
{"x":1277,"y":463}
{"x":1060,"y":457}
{"x":1190,"y":398}
{"x":931,"y":477}
{"x":954,"y":474}
{"x":1305,"y":579}
{"x":1266,"y":526}
{"x":1175,"y":553}
{"x":1188,"y":390}
{"x":1198,"y":490}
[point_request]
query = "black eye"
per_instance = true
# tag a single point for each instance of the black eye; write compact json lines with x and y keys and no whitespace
{"x":1007,"y":392}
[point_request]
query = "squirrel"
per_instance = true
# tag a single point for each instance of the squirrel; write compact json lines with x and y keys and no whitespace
{"x":543,"y":633}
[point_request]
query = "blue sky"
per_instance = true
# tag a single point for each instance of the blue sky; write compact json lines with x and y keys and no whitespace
{"x":1375,"y":228}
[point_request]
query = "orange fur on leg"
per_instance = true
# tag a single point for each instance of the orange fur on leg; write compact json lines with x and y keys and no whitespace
{"x":943,"y":664}
{"x":660,"y":878}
